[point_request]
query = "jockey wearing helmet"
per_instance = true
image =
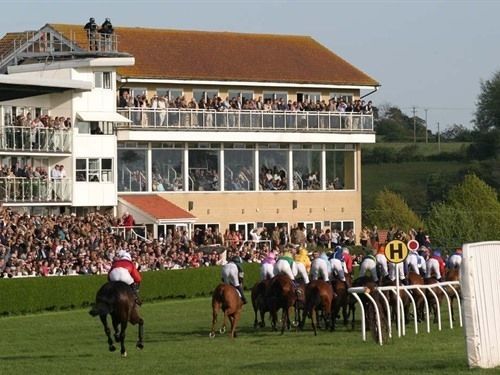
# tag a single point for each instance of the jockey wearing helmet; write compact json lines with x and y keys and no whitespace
{"x":232,"y":274}
{"x":347,"y":260}
{"x":286,"y":266}
{"x":337,"y":263}
{"x":124,"y":270}
{"x":369,"y":263}
{"x":320,"y":267}
{"x":412,"y":262}
{"x":382,"y":261}
{"x":303,"y":257}
{"x":435,"y":265}
{"x":302,"y":261}
{"x":267,"y":266}
{"x":455,"y":259}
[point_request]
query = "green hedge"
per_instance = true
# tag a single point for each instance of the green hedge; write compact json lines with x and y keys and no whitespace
{"x":27,"y":295}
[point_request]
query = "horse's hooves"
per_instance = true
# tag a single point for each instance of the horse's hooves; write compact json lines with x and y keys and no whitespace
{"x":124,"y":354}
{"x":222,"y":330}
{"x":112,"y":348}
{"x":211,"y":335}
{"x":140,"y":346}
{"x":295,"y":324}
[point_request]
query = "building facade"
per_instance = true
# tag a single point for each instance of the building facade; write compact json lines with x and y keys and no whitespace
{"x":238,"y":130}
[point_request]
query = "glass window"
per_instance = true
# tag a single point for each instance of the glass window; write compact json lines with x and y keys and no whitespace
{"x":245,"y":95}
{"x":306,"y":170}
{"x":199,"y":94}
{"x":94,"y":170}
{"x":341,"y":95}
{"x":132,"y":170}
{"x":81,"y":170}
{"x":239,"y":170}
{"x":275,"y":95}
{"x":167,"y":170}
{"x":98,"y":80}
{"x":203,"y":170}
{"x":308,"y":97}
{"x":273,"y":169}
{"x":340,"y":170}
{"x":170,"y":94}
{"x":106,"y":170}
{"x":106,"y":80}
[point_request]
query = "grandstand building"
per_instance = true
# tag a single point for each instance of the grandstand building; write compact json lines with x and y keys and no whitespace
{"x":124,"y":116}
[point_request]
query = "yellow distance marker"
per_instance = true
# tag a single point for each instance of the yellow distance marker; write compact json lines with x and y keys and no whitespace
{"x":396,"y":251}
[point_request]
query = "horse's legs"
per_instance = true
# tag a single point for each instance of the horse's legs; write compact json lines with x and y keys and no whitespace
{"x":234,"y":320}
{"x":136,"y":319}
{"x":215,"y":312}
{"x":284,"y":318}
{"x":314,"y":319}
{"x":116,"y":325}
{"x":104,"y":321}
{"x":262,"y":316}
{"x":123,"y":327}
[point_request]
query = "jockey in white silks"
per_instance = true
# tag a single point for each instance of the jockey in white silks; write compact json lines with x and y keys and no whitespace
{"x":285,"y":266}
{"x":369,"y":263}
{"x":397,"y":267}
{"x":455,"y":259}
{"x":267,"y":266}
{"x":232,"y":273}
{"x":320,"y":267}
{"x":338,"y":265}
{"x":435,"y":265}
{"x":416,"y":262}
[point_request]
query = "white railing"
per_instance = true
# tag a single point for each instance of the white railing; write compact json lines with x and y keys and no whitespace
{"x":18,"y":138}
{"x":406,"y":288}
{"x":35,"y":189}
{"x":134,"y":232}
{"x":245,"y":120}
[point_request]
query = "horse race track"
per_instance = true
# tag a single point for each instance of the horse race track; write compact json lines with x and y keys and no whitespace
{"x":176,"y":342}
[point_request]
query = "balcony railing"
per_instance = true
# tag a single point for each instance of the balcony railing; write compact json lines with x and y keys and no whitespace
{"x":17,"y":138}
{"x":34,"y":190}
{"x":245,"y":120}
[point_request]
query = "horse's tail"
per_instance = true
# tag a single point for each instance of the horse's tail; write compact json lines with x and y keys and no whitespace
{"x":100,"y":308}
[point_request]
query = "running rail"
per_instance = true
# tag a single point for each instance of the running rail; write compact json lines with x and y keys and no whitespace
{"x":356,"y":291}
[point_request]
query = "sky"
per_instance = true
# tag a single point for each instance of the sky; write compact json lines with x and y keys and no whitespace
{"x":426,"y":54}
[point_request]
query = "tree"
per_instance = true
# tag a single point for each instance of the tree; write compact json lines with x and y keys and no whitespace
{"x":487,"y":122}
{"x":390,"y":209}
{"x":457,"y":133}
{"x":471,"y":213}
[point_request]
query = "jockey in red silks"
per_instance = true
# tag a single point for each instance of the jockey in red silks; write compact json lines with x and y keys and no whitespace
{"x":436,"y":265}
{"x":124,"y":270}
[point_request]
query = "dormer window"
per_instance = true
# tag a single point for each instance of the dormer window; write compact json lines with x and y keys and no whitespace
{"x":102,"y":80}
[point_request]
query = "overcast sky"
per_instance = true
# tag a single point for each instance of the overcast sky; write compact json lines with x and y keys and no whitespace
{"x":427,"y":54}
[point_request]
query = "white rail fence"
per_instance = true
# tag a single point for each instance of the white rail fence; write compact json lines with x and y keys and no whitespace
{"x":356,"y":291}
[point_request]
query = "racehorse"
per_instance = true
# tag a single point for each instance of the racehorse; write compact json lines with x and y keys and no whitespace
{"x":281,"y":295}
{"x":227,"y":298}
{"x":453,"y":274}
{"x":430,"y":296}
{"x":341,"y":300}
{"x":119,"y":301}
{"x":416,"y":279}
{"x":319,"y":296}
{"x":259,"y":302}
{"x":366,"y":282}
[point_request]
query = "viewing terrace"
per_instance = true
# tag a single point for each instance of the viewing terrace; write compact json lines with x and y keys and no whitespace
{"x":247,"y":120}
{"x":35,"y":190}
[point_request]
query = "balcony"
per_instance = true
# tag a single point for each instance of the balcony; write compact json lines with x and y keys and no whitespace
{"x":34,"y":190}
{"x":26,"y":139}
{"x":245,"y":120}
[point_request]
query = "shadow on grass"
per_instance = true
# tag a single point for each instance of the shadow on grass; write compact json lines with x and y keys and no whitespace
{"x":43,"y":356}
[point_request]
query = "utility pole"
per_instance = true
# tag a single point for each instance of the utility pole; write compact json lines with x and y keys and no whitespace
{"x":439,"y":140}
{"x":414,"y":126}
{"x":426,"y":135}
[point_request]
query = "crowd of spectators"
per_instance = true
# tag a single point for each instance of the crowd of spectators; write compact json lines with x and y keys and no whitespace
{"x":236,"y":103}
{"x":57,"y":245}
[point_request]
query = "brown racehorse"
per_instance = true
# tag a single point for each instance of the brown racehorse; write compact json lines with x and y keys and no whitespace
{"x":259,"y":302}
{"x":281,"y":295}
{"x":227,"y":298}
{"x":416,"y":279}
{"x":118,"y":300}
{"x":367,"y":282}
{"x":430,"y":296}
{"x":341,"y":300}
{"x":453,"y":274}
{"x":319,"y":296}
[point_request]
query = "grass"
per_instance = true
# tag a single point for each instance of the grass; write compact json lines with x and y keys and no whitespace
{"x":176,"y":342}
{"x":423,"y":148}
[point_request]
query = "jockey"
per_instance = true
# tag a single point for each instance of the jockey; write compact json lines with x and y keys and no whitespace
{"x":347,"y":260}
{"x":232,"y":274}
{"x":303,"y":257}
{"x":382,"y":260}
{"x":455,"y":259}
{"x":267,"y":266}
{"x":302,"y":261}
{"x":320,"y":267}
{"x":435,"y":265}
{"x":397,"y":267}
{"x":412,"y":262}
{"x":369,"y":263}
{"x":285,"y":265}
{"x":124,"y":270}
{"x":337,"y":263}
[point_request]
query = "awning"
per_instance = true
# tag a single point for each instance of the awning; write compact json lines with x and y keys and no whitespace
{"x":155,"y":209}
{"x":101,"y":117}
{"x":14,"y":87}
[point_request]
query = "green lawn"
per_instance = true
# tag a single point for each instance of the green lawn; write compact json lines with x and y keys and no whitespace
{"x":423,"y":148}
{"x":176,"y":342}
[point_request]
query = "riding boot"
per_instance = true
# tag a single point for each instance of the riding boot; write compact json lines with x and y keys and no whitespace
{"x":240,"y":289}
{"x":135,"y":289}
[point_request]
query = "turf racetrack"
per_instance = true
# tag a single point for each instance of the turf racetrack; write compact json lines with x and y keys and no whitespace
{"x":177,"y":342}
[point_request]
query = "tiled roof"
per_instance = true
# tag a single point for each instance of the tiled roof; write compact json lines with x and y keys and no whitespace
{"x":157,"y":207}
{"x":226,"y":56}
{"x":7,"y":42}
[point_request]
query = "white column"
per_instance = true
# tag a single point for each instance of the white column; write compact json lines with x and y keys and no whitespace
{"x":256,"y":169}
{"x":185,"y":169}
{"x":323,"y":167}
{"x":150,"y":168}
{"x":290,"y":167}
{"x":221,"y":168}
